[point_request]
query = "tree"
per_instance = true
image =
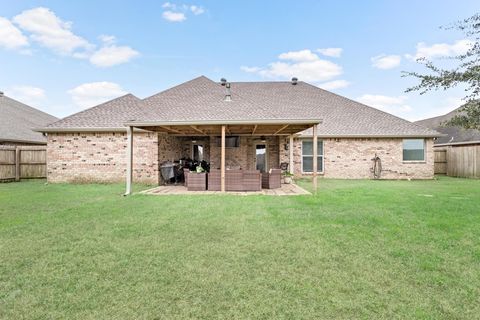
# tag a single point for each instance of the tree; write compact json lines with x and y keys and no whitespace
{"x":466,"y":73}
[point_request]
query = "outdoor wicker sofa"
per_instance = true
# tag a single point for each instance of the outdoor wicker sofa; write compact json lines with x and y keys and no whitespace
{"x":235,"y":180}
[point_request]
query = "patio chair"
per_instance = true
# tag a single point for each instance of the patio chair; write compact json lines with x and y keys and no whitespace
{"x":272,"y":179}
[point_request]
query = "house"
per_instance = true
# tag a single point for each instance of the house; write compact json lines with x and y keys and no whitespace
{"x":452,"y":135}
{"x":457,"y":152}
{"x":241,"y":125}
{"x":17,"y":121}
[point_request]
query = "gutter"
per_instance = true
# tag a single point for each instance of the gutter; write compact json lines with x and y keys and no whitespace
{"x":24,"y":141}
{"x":376,"y":136}
{"x":457,"y":143}
{"x":83,"y":129}
{"x":221,"y":122}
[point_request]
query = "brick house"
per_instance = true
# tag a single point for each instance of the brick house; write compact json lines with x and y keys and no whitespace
{"x":257,"y":125}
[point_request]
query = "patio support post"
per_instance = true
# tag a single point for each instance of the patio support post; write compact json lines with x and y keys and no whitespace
{"x":129,"y":160}
{"x":315,"y":158}
{"x":290,"y":149}
{"x":222,"y":164}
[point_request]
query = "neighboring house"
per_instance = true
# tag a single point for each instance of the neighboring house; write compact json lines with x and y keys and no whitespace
{"x":17,"y":121}
{"x":265,"y":123}
{"x":455,"y":135}
{"x":457,"y":153}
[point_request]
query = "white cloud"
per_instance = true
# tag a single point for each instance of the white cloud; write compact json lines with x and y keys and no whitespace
{"x":46,"y":28}
{"x":168,"y":5}
{"x":250,"y":69}
{"x":434,"y":108}
{"x":441,"y":49}
{"x":395,"y":105}
{"x":384,"y":61}
{"x":174,"y":16}
{"x":178,"y":12}
{"x":302,"y":55}
{"x":107,"y":39}
{"x":303,"y":64}
{"x":27,"y":94}
{"x":94,"y":93}
{"x":112,"y":55}
{"x":331,"y":52}
{"x":196,"y":10}
{"x":10,"y":36}
{"x":335,"y":84}
{"x":50,"y":31}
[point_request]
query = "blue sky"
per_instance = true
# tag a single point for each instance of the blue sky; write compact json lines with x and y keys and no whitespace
{"x":64,"y":56}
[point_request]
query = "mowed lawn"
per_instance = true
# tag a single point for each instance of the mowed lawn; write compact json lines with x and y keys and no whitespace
{"x":357,"y":249}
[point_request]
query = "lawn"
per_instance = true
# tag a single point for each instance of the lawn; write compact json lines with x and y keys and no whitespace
{"x":357,"y":249}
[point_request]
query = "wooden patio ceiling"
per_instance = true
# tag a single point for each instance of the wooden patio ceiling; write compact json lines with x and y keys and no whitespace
{"x":232,"y":128}
{"x":208,"y":130}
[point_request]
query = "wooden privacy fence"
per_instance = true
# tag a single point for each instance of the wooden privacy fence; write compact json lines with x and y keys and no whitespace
{"x":440,"y":161}
{"x":458,"y":161}
{"x":22,"y":162}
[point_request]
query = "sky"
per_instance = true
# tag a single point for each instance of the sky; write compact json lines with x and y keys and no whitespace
{"x":64,"y":56}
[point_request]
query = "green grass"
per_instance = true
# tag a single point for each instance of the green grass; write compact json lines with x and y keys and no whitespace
{"x":358,"y":249}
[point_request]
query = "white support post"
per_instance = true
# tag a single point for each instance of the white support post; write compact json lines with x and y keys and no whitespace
{"x":315,"y":158}
{"x":129,"y":160}
{"x":222,"y":164}
{"x":291,"y":169}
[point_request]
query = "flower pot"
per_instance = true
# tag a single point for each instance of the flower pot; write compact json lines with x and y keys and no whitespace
{"x":287,"y":180}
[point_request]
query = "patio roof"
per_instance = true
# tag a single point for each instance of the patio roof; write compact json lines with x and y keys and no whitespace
{"x":232,"y":127}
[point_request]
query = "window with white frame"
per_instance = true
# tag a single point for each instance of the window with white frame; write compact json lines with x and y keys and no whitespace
{"x":307,"y":155}
{"x":414,"y":150}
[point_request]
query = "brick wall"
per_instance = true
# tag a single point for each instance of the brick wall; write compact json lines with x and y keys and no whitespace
{"x":244,"y":156}
{"x":351,"y":159}
{"x":101,"y":157}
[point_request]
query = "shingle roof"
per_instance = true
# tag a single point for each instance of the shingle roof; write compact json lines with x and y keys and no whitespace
{"x":451,"y":134}
{"x":202,"y":99}
{"x":17,"y":121}
{"x":111,"y":114}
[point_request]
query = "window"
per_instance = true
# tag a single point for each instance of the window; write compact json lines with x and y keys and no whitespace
{"x":307,"y":156}
{"x":414,"y":150}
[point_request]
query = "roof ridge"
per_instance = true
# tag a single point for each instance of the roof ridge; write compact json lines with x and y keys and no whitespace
{"x":178,"y":85}
{"x":94,"y":107}
{"x":369,"y":107}
{"x":27,"y":106}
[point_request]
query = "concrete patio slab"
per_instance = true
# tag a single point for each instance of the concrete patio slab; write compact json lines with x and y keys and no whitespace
{"x":284,"y":190}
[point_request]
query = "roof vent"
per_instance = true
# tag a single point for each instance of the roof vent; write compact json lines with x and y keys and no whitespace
{"x":294,"y":80}
{"x":223,"y":81}
{"x":228,"y":93}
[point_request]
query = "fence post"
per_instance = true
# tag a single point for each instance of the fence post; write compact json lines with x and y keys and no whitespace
{"x":17,"y":163}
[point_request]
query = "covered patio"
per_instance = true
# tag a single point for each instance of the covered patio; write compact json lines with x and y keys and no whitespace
{"x":286,"y":128}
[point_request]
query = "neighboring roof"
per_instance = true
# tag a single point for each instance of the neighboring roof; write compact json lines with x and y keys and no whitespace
{"x":451,"y":134}
{"x":202,"y":99}
{"x":17,"y":121}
